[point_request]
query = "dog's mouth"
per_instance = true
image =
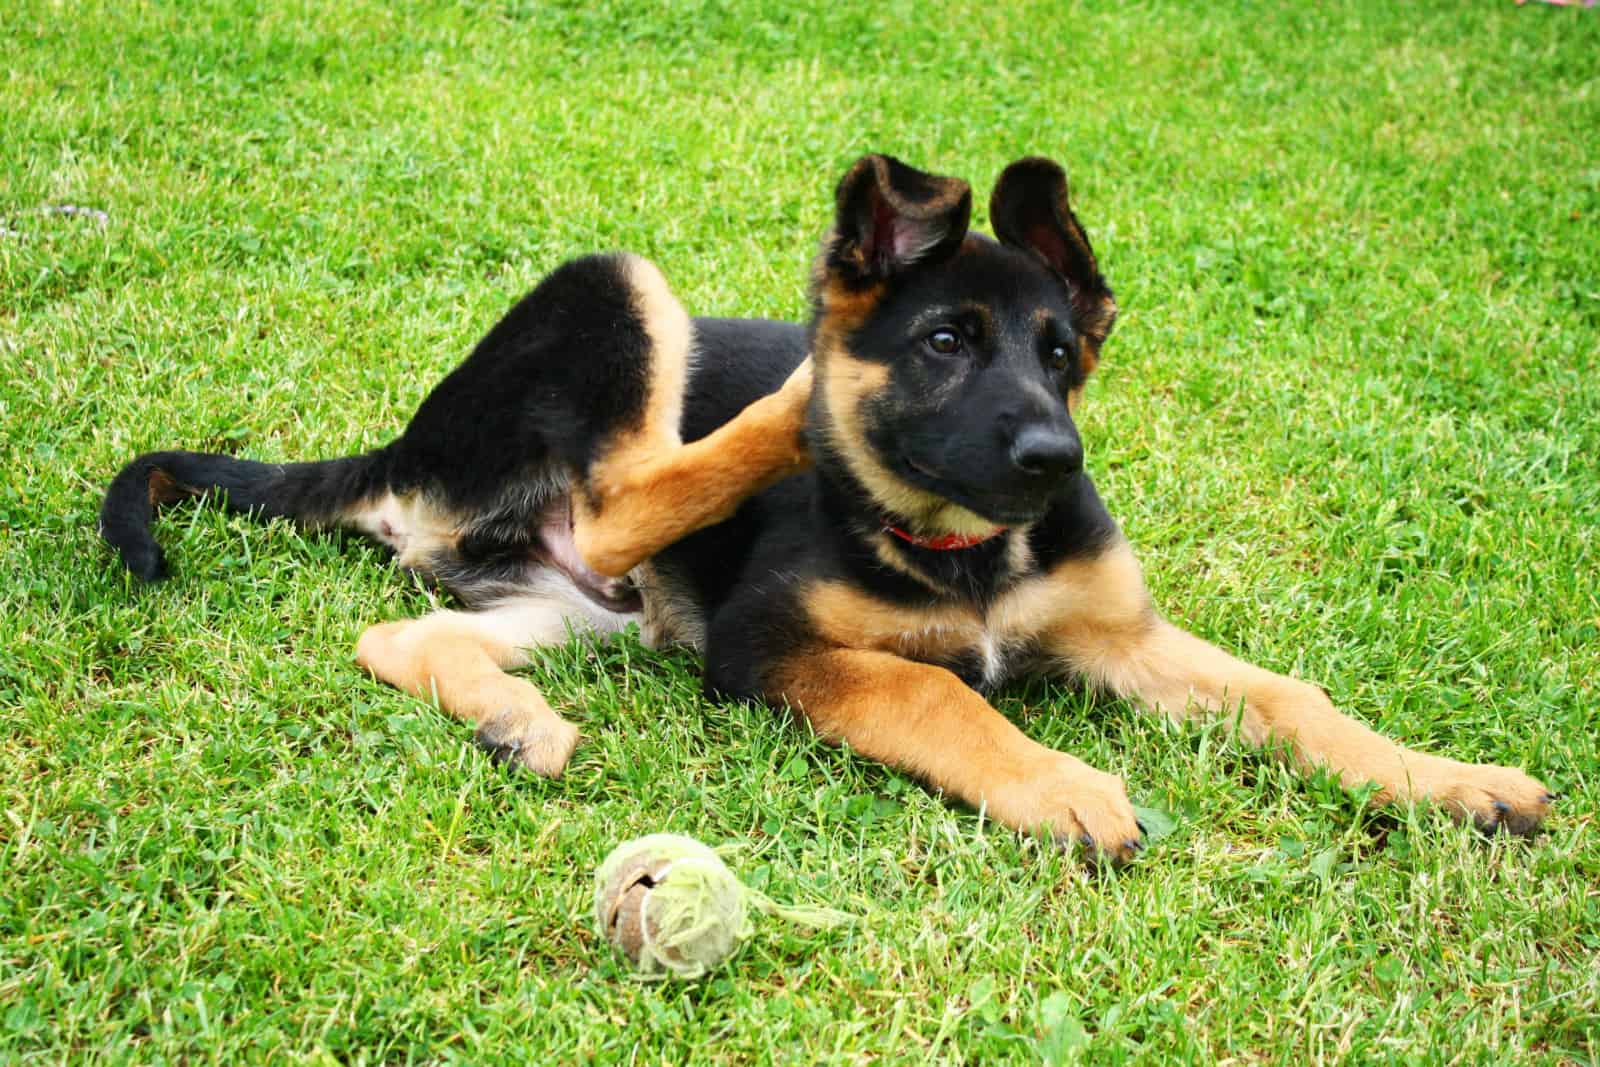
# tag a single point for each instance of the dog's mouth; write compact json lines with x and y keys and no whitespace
{"x":1001,"y":510}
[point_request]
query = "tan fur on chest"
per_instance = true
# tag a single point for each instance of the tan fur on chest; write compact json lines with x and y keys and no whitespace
{"x":845,"y":616}
{"x":1108,"y":587}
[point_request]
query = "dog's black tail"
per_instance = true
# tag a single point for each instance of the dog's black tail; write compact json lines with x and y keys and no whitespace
{"x":313,"y":493}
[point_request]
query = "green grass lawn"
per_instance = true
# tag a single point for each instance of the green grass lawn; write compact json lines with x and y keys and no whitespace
{"x":1350,"y":416}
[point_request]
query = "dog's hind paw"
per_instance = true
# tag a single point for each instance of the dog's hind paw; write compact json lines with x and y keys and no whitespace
{"x":540,"y":743}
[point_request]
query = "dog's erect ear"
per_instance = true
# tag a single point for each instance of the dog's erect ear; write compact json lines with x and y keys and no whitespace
{"x":891,"y":216}
{"x":1029,"y":210}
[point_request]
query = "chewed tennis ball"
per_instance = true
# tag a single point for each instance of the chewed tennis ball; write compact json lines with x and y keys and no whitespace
{"x":671,"y":905}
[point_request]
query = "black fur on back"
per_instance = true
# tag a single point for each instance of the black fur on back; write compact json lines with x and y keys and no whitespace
{"x":493,"y":446}
{"x":540,"y":392}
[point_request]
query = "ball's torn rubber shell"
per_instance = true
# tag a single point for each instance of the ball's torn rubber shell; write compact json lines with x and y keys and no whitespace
{"x":671,"y":906}
{"x":623,"y":901}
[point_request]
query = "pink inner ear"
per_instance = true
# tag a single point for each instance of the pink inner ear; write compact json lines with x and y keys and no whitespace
{"x":1048,"y":241}
{"x":912,"y":239}
{"x":883,"y":231}
{"x":897,"y":239}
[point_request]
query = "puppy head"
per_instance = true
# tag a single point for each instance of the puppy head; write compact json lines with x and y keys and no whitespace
{"x":946,"y":360}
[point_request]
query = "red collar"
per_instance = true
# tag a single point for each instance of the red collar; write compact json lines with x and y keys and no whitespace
{"x":947,"y":542}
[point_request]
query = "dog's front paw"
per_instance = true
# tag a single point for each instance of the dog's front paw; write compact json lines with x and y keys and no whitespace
{"x":1075,"y":804}
{"x":1493,"y":798}
{"x":541,"y":743}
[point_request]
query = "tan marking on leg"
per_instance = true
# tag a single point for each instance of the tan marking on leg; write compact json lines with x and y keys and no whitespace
{"x":671,"y":338}
{"x":648,"y":489}
{"x":1104,"y":628}
{"x":670,"y":334}
{"x":662,"y":496}
{"x":923,"y":720}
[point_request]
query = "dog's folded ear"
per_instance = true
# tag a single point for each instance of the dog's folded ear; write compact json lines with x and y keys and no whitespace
{"x":891,"y":216}
{"x":1029,"y":210}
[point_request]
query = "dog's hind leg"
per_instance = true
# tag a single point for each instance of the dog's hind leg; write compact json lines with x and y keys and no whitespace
{"x":645,"y":489}
{"x":649,"y":501}
{"x":459,"y":660}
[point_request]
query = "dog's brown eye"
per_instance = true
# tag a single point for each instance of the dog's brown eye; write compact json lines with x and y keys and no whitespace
{"x":946,"y":342}
{"x":1060,"y":356}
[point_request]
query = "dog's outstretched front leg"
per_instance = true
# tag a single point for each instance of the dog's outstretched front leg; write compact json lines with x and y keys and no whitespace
{"x":924,"y":720}
{"x":459,"y":660}
{"x":651,"y":491}
{"x":1109,"y":633}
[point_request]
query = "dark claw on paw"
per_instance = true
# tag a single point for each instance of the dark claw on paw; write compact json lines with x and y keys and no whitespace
{"x":1134,"y":844}
{"x":501,"y":752}
{"x":1507,"y":821}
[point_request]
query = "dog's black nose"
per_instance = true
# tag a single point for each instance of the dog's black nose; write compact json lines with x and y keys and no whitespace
{"x":1047,"y":450}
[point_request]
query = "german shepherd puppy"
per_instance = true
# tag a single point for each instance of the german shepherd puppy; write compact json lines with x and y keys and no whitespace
{"x":871,"y":519}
